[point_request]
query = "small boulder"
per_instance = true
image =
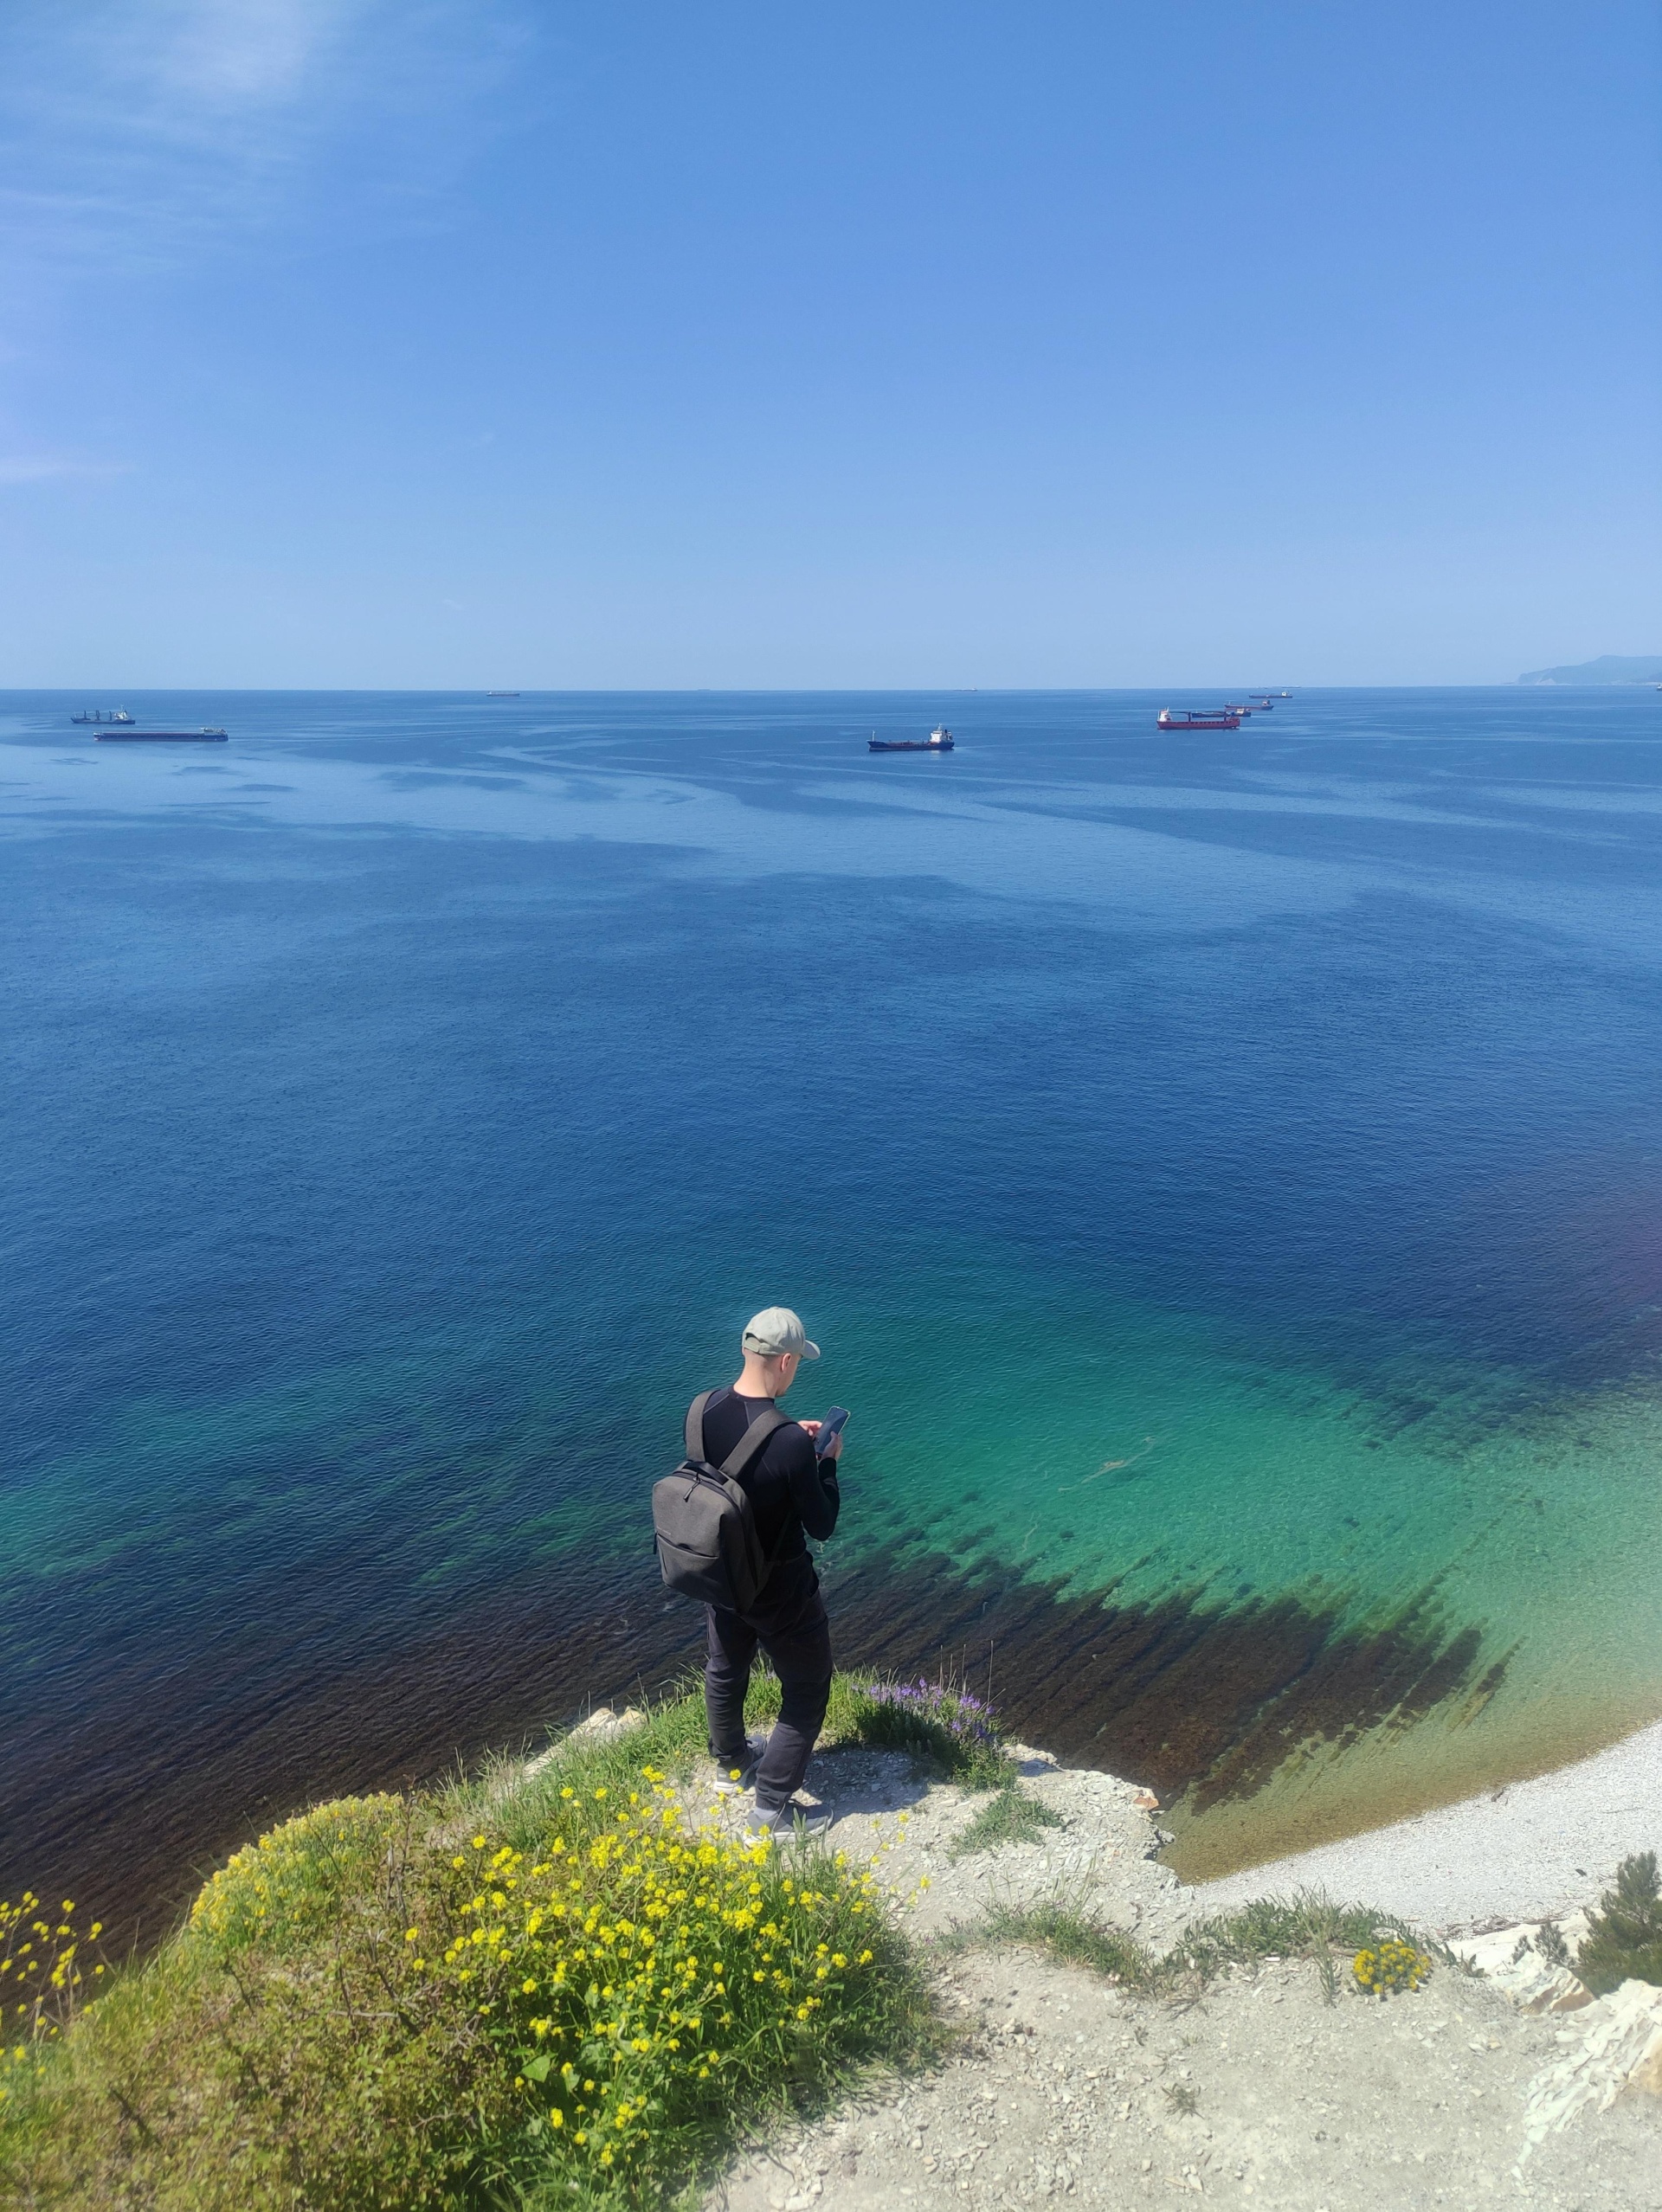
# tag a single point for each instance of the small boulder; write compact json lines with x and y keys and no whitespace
{"x":1512,"y":1958}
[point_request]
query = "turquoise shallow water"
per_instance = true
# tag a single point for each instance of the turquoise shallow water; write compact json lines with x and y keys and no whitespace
{"x":1224,"y":1172}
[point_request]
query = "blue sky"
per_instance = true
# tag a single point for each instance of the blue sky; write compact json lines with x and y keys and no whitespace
{"x":515,"y":343}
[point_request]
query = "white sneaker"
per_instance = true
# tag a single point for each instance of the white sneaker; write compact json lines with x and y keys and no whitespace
{"x":734,"y":1775}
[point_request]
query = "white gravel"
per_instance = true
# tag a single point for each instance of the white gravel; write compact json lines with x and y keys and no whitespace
{"x":1533,"y":1850}
{"x":1265,"y":2089}
{"x":1261,"y":2095}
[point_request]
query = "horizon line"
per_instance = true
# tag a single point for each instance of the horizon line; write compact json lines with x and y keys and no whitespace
{"x":805,"y":691}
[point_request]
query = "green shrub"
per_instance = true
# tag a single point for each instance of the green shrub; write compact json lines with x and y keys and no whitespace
{"x":644,"y":1980}
{"x":1549,"y":1944}
{"x":578,"y":1997}
{"x":260,"y":2061}
{"x":1624,"y":1938}
{"x":291,"y":1885}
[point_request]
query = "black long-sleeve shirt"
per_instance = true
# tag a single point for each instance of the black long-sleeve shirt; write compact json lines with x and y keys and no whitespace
{"x":793,"y":1492}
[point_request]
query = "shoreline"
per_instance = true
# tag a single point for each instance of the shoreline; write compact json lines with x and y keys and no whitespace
{"x":1544,"y":1844}
{"x":1066,"y":2016}
{"x":1529,"y":1850}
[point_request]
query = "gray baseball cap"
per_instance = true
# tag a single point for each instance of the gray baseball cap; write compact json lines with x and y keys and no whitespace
{"x":775,"y":1331}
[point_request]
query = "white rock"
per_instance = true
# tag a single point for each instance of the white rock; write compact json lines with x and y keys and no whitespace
{"x":1617,"y":2045}
{"x":1533,"y":1982}
{"x":604,"y":1723}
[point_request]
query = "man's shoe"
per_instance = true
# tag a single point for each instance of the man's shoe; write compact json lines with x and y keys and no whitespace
{"x":738,"y":1773}
{"x":789,"y":1824}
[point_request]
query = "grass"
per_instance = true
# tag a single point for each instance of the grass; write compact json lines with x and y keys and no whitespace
{"x":1077,"y":1941}
{"x":516,"y":1991}
{"x":1306,"y":1926}
{"x":1009,"y":1815}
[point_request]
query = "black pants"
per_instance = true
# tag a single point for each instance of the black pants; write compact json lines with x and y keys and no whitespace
{"x":797,"y":1639}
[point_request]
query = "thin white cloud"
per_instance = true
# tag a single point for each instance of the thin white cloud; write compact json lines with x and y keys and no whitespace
{"x":140,"y":136}
{"x":136,"y":135}
{"x":48,"y":468}
{"x":236,"y":53}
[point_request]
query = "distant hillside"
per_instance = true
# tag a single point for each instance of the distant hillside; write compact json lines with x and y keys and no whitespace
{"x":1608,"y":668}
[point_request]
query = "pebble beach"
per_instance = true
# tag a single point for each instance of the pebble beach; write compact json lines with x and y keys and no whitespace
{"x":1532,"y":1851}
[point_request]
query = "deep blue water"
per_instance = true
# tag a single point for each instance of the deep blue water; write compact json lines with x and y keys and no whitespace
{"x":1225,"y":1172}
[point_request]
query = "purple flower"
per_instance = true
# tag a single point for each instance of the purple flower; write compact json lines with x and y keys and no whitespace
{"x":967,"y":1720}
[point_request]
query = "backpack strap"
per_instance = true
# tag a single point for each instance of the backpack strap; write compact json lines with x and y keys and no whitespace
{"x":695,"y":1424}
{"x":751,"y":1445}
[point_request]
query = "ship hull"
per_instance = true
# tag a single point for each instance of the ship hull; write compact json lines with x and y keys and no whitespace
{"x":161,"y":737}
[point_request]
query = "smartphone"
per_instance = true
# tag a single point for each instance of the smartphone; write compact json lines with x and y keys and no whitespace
{"x":830,"y":1429}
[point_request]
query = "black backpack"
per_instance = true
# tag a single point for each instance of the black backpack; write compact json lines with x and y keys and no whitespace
{"x":702,"y":1519}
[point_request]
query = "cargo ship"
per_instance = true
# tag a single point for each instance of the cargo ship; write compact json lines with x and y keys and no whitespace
{"x":121,"y":715}
{"x":939,"y":740}
{"x":1182,"y":718}
{"x":162,"y":737}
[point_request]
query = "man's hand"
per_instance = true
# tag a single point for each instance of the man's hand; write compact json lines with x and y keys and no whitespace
{"x":836,"y":1448}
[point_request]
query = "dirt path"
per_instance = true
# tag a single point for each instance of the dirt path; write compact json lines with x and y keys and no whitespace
{"x":1066,"y":2088}
{"x":1262,"y":2091}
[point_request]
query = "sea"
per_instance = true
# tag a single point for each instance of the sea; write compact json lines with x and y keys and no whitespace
{"x":1223,"y":1170}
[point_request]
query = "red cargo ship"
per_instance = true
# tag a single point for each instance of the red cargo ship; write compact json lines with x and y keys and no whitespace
{"x":1183,"y":719}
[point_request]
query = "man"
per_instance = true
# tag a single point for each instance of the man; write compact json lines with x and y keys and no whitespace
{"x":793,"y":1495}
